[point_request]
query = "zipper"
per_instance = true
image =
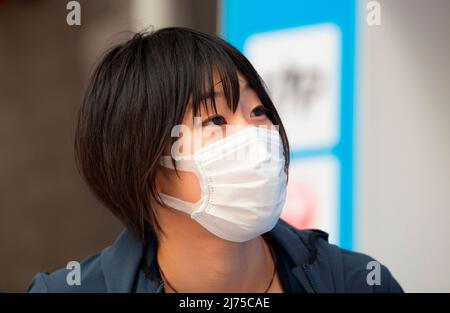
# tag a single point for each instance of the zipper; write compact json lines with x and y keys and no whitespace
{"x":160,"y":287}
{"x":308,"y":276}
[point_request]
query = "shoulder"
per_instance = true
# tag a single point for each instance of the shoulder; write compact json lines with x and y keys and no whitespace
{"x":65,"y":280}
{"x":363,"y":273}
{"x":358,"y":272}
{"x":111,"y":270}
{"x":329,"y":267}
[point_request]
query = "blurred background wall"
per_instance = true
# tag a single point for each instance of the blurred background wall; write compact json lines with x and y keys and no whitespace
{"x":48,"y":216}
{"x":405,"y":142}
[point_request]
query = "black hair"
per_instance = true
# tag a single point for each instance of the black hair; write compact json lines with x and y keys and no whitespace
{"x":137,"y":93}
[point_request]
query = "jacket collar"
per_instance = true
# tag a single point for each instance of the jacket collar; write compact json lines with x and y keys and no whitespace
{"x":300,"y":246}
{"x":121,"y":262}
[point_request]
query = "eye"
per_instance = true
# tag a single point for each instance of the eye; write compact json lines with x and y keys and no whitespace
{"x":259,"y":111}
{"x":217,"y":120}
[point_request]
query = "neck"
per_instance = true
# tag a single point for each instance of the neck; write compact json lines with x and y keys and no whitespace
{"x":194,"y":260}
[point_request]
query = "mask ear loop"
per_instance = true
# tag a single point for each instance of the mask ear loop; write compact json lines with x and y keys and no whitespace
{"x":186,"y":165}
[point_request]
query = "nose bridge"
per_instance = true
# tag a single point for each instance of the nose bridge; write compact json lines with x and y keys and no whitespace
{"x":240,"y":119}
{"x":236,"y":122}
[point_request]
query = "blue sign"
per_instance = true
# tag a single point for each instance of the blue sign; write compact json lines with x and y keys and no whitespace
{"x":311,"y":46}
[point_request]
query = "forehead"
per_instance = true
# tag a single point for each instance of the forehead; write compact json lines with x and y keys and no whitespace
{"x":217,"y":80}
{"x":220,"y":82}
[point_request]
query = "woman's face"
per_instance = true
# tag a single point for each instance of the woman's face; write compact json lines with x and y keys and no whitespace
{"x":214,"y":125}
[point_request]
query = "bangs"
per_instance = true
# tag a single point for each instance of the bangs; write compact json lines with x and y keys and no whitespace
{"x":196,"y":63}
{"x":211,"y":62}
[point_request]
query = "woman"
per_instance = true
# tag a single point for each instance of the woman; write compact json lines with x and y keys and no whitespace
{"x":178,"y":137}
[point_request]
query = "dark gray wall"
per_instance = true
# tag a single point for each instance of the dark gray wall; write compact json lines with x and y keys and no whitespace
{"x":47,"y":214}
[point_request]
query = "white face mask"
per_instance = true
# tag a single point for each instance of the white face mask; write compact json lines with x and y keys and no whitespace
{"x":243,"y":184}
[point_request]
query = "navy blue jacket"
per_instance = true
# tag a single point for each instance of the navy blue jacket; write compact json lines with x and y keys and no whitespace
{"x":319,"y":267}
